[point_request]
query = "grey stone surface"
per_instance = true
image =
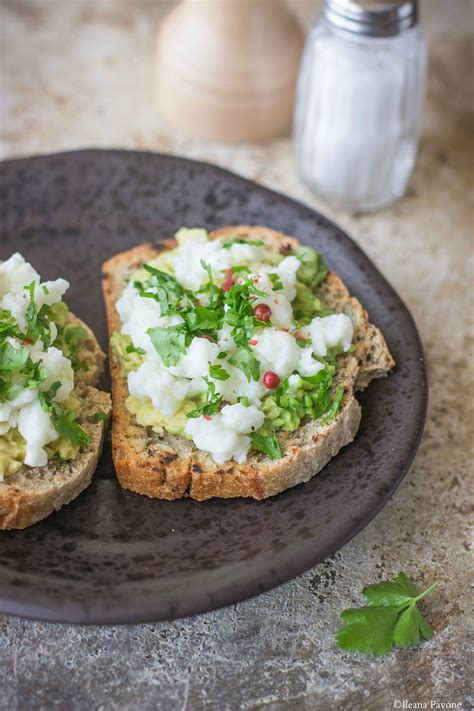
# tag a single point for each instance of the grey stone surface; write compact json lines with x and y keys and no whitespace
{"x":76,"y":74}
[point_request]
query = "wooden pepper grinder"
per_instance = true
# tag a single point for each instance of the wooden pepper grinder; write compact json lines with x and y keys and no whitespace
{"x":226,"y":69}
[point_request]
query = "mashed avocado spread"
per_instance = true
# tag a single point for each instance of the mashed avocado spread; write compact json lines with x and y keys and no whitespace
{"x":12,"y":446}
{"x":217,"y":347}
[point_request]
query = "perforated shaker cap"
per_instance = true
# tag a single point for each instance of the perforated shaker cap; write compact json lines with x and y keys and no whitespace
{"x":371,"y":18}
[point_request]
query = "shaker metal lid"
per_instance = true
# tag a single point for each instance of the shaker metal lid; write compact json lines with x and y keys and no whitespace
{"x":372,"y":18}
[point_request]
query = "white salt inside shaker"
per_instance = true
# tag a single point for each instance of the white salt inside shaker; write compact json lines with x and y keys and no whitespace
{"x":359,"y":103}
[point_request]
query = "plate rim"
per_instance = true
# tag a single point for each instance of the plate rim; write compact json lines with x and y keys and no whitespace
{"x":74,"y":612}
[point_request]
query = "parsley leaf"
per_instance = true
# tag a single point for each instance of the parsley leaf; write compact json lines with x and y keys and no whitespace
{"x":238,"y":240}
{"x":66,"y":426}
{"x":201,"y":318}
{"x":240,"y":270}
{"x":164,"y":289}
{"x":15,"y":370}
{"x":38,"y":322}
{"x":46,"y":397}
{"x":207,"y":268}
{"x":100,"y":417}
{"x":33,"y":374}
{"x":239,"y":312}
{"x":212,"y":403}
{"x":63,"y":421}
{"x":218,"y":372}
{"x":134,"y":349}
{"x":168,"y":342}
{"x":276,"y":281}
{"x":12,"y":359}
{"x":248,"y":364}
{"x":268,"y":445}
{"x":214,"y":294}
{"x":368,"y":629}
{"x":391,"y":617}
{"x":333,"y":409}
{"x":8,"y":325}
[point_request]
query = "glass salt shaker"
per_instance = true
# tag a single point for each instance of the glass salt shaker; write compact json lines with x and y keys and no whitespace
{"x":359,"y":102}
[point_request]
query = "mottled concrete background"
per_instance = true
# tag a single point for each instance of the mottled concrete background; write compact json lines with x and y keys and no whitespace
{"x":79,"y":73}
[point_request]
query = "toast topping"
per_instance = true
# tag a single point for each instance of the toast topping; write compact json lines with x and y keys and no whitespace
{"x":228,"y":338}
{"x":39,"y":353}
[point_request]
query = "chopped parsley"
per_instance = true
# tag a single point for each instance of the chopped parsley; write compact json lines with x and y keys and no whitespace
{"x":238,"y":240}
{"x":207,"y":268}
{"x":202,"y":320}
{"x":211,"y":404}
{"x":11,"y":358}
{"x":218,"y":372}
{"x":276,"y":282}
{"x":19,"y":372}
{"x":8,"y":325}
{"x":169,"y":343}
{"x":239,"y":313}
{"x":247,"y":362}
{"x":286,"y":406}
{"x":38,"y":321}
{"x":164,"y":289}
{"x":269,"y":445}
{"x":65,"y":424}
{"x":64,"y":421}
{"x":333,"y":409}
{"x":134,"y":349}
{"x":100,"y":417}
{"x":241,"y":270}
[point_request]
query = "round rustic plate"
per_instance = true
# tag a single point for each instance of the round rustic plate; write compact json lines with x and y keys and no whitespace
{"x":112,"y":556}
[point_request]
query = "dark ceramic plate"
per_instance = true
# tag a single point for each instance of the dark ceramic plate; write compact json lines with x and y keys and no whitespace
{"x":112,"y":556}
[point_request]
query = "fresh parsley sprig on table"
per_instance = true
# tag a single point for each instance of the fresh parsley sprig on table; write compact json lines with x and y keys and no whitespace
{"x":390,"y":617}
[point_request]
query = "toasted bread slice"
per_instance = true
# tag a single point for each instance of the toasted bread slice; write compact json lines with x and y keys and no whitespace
{"x":33,"y":493}
{"x":168,"y":466}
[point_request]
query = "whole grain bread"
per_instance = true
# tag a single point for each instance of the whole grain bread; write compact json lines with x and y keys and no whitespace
{"x":169,"y":466}
{"x":33,"y":493}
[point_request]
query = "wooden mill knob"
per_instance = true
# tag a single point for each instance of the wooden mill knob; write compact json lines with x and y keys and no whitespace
{"x":226,"y":69}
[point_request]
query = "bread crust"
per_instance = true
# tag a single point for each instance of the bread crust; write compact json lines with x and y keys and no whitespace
{"x":169,"y":467}
{"x":34,"y":492}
